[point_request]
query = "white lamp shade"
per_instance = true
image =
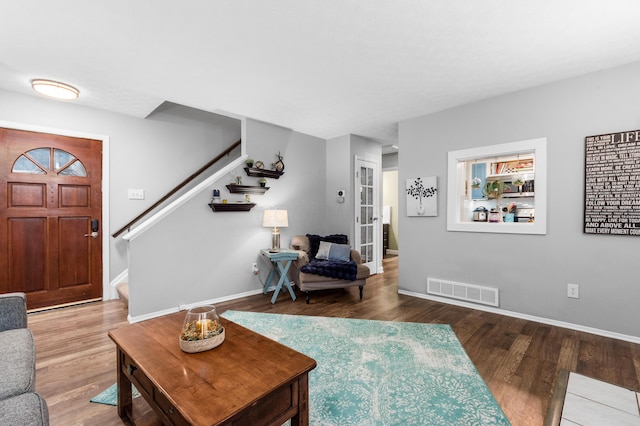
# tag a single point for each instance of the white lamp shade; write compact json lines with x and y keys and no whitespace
{"x":275,"y":219}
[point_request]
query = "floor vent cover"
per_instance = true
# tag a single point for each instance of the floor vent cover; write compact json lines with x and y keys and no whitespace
{"x":468,"y":292}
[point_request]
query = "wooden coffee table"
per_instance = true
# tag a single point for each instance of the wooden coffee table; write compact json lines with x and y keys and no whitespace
{"x":247,"y":380}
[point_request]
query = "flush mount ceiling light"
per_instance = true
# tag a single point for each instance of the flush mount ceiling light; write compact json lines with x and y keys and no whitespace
{"x":55,"y":89}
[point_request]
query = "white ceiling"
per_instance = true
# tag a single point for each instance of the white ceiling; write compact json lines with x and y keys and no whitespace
{"x":322,"y":67}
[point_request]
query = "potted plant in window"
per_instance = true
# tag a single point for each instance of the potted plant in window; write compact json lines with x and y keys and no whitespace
{"x":494,"y":189}
{"x":518,"y":181}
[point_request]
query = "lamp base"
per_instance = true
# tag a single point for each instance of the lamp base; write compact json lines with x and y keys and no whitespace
{"x":275,"y":241}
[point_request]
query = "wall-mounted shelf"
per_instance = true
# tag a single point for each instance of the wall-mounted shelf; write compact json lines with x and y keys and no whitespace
{"x":246,"y":189}
{"x":231,"y":207}
{"x":511,"y":167}
{"x":274,"y":174}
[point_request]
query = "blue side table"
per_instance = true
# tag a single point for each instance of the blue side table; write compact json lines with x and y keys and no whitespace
{"x":280,"y":263}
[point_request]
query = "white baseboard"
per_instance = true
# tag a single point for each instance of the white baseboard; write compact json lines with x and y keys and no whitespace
{"x":570,"y":326}
{"x":191,"y":305}
{"x":390,"y":251}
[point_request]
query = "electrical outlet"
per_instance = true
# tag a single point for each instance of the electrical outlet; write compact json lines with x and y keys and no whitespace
{"x":254,"y":269}
{"x":573,"y":291}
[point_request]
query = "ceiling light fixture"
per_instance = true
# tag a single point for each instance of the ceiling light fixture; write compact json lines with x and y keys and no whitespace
{"x":55,"y":89}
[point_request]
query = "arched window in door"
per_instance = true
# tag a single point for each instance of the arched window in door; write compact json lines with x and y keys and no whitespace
{"x":44,"y":161}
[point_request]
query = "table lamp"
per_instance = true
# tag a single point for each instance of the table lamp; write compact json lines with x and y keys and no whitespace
{"x":275,"y":219}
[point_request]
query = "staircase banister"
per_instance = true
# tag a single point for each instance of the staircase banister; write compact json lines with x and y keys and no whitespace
{"x":179,"y":187}
{"x":155,"y":218}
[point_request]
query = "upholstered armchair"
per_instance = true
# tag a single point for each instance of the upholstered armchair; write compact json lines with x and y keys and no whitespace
{"x":309,"y":281}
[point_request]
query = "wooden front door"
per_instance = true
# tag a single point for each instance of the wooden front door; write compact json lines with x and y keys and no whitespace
{"x":50,"y":217}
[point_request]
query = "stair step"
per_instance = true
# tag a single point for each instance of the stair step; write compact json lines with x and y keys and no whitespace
{"x":123,"y":293}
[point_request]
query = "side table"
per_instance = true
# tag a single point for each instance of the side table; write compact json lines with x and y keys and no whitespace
{"x":280,"y":263}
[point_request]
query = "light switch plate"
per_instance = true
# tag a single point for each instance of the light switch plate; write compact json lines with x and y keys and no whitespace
{"x":136,"y":194}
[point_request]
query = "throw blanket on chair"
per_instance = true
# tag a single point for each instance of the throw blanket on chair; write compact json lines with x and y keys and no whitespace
{"x":332,"y":268}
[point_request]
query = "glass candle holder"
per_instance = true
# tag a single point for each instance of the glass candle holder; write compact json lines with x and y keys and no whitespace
{"x":201,"y":329}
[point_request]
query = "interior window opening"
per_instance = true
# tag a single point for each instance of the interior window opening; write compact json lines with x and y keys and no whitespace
{"x":499,"y":188}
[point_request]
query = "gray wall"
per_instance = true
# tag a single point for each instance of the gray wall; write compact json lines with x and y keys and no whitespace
{"x":338,"y":160}
{"x":340,"y":174}
{"x":195,"y":254}
{"x":390,"y":161}
{"x":531,"y":271}
{"x":153,"y":154}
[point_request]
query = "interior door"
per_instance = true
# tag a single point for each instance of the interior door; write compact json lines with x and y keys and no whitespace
{"x":50,"y":217}
{"x":368,"y":223}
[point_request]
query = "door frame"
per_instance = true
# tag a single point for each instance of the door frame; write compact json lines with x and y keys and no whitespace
{"x":377,"y":209}
{"x":108,"y":292}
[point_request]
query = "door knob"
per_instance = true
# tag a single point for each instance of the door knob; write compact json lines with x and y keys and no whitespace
{"x":95,"y":227}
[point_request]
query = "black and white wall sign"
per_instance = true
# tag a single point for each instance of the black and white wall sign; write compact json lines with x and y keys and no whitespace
{"x":612,"y":184}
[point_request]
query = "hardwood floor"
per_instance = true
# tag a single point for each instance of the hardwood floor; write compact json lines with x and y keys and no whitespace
{"x":518,"y":359}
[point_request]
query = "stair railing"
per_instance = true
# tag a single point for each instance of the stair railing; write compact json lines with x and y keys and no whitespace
{"x":178,"y":187}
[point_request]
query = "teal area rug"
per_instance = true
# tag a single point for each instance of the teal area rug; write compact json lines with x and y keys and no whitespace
{"x":109,"y":396}
{"x":381,"y":372}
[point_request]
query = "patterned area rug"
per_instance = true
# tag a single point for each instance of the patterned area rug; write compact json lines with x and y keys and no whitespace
{"x":381,"y":372}
{"x":109,"y":396}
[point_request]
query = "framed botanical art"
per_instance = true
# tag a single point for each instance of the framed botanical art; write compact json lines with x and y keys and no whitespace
{"x":422,"y":196}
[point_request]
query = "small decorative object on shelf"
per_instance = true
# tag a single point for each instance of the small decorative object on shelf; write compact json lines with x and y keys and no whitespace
{"x":262,"y":181}
{"x":232,"y":207}
{"x":509,"y":215}
{"x":476,"y":182}
{"x":201,"y":330}
{"x":259,"y":165}
{"x":216,"y":196}
{"x":246,"y":189}
{"x":278,"y":165}
{"x":249,"y":162}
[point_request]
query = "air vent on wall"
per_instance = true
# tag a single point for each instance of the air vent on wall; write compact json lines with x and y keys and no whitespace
{"x":468,"y":292}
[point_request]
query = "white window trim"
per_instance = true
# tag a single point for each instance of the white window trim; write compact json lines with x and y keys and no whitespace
{"x":456,"y":184}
